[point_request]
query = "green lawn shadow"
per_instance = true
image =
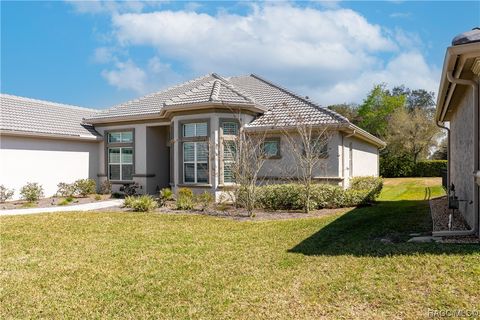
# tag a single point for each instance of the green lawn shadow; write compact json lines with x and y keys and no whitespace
{"x":379,"y":230}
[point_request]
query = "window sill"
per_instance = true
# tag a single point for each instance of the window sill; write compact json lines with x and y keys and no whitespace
{"x":121,"y":181}
{"x":195,"y":185}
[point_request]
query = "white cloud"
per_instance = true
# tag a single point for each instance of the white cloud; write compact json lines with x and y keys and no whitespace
{"x":102,"y":55}
{"x":127,"y":75}
{"x":112,"y":6}
{"x":333,"y":55}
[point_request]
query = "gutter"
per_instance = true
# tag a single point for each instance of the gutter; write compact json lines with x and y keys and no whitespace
{"x":474,"y":229}
{"x":33,"y":134}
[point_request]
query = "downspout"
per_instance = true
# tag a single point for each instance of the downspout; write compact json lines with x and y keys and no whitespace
{"x":474,"y":229}
{"x":442,"y":125}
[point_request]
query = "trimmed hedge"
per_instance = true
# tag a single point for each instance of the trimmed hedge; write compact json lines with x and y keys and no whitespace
{"x":430,"y":168}
{"x":363,"y":190}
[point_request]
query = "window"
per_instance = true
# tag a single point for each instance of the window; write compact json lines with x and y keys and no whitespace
{"x":321,"y":150}
{"x":271,"y":148}
{"x":230,"y":127}
{"x":120,"y":163}
{"x":119,"y":151}
{"x":195,"y":162}
{"x":120,"y":137}
{"x":229,"y":156}
{"x":195,"y":130}
{"x":195,"y":152}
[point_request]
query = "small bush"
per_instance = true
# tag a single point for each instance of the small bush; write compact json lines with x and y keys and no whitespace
{"x":280,"y":196}
{"x":106,"y":187}
{"x":392,"y":166}
{"x":84,"y":187}
{"x":166,"y":194}
{"x":98,"y":197}
{"x":65,"y":201}
{"x":117,"y":195}
{"x":370,"y":186}
{"x":31,"y":192}
{"x":65,"y":189}
{"x":5,"y":193}
{"x":205,"y":200}
{"x":430,"y":168}
{"x":143,"y":203}
{"x":185,"y":199}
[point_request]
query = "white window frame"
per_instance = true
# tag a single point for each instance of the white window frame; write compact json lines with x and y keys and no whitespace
{"x":195,"y":162}
{"x":120,"y":163}
{"x":121,"y":136}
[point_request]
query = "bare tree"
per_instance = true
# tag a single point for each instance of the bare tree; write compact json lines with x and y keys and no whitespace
{"x":308,"y":144}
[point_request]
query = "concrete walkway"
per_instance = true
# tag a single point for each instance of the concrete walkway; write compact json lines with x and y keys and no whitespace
{"x":78,"y":207}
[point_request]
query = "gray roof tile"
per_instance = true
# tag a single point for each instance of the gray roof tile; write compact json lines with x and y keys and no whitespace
{"x":45,"y":117}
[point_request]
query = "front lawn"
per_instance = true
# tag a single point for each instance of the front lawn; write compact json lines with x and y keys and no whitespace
{"x":354,"y":264}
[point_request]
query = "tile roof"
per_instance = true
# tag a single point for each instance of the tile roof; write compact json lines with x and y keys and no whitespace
{"x":285,"y":108}
{"x":19,"y":114}
{"x":211,"y":91}
{"x":249,"y":90}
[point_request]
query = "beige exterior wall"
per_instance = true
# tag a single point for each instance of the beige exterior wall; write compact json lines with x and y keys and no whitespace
{"x":148,"y":145}
{"x":46,"y":161}
{"x":461,"y":154}
{"x":364,"y":159}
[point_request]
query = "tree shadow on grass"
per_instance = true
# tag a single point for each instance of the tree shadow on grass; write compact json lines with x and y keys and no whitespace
{"x":379,"y":230}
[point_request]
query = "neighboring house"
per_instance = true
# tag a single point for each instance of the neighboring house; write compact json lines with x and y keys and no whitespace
{"x":173,"y":137}
{"x":458,"y":104}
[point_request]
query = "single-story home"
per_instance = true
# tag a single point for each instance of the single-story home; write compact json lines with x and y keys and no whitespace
{"x":171,"y":138}
{"x":458,"y":111}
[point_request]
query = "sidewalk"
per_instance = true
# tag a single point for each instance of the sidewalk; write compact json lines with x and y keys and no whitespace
{"x":78,"y":207}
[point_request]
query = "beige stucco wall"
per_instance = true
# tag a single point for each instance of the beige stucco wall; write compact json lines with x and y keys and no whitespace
{"x":46,"y":161}
{"x":285,"y":167}
{"x":364,"y":159}
{"x":142,"y":145}
{"x":461,"y":153}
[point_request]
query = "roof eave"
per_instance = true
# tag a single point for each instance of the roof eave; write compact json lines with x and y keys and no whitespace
{"x":33,"y":134}
{"x":452,"y":53}
{"x":168,"y":109}
{"x":137,"y":117}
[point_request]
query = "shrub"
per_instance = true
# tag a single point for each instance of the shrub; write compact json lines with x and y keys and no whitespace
{"x":166,"y":194}
{"x":106,"y":187}
{"x":65,"y":189}
{"x":185,"y":199}
{"x":396,"y":166}
{"x":143,"y":203}
{"x":32,"y":191}
{"x":328,"y":196}
{"x":65,"y":201}
{"x":98,"y":197}
{"x":430,"y":168}
{"x":84,"y":187}
{"x":5,"y":193}
{"x":205,"y":200}
{"x":280,"y":196}
{"x":370,"y":186}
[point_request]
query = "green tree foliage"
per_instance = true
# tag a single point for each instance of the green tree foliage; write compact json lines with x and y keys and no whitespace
{"x":348,"y":110}
{"x":441,"y":153}
{"x":376,"y":110}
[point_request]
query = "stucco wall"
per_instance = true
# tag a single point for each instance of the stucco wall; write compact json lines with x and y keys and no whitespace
{"x":46,"y":161}
{"x":286,"y":165}
{"x":143,"y":147}
{"x":158,"y":158}
{"x":461,"y":152}
{"x":365,"y":158}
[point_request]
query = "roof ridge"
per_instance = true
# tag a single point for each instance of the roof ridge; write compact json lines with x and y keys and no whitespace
{"x":241,"y":93}
{"x":58,"y":104}
{"x":215,"y":90}
{"x":159,"y":91}
{"x":293,"y":94}
{"x":170,"y":100}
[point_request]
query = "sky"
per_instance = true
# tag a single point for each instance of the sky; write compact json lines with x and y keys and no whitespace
{"x":97,"y":54}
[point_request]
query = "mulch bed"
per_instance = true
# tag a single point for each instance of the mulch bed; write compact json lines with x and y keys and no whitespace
{"x":49,"y":202}
{"x":440,"y":216}
{"x":230,"y":212}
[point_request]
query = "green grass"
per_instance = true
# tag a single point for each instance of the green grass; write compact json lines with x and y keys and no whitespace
{"x":136,"y":265}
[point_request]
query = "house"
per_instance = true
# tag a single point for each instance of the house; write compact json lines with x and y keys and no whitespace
{"x":172,"y":138}
{"x":458,"y":107}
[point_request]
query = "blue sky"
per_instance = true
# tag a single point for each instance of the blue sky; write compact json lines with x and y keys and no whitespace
{"x":97,"y":54}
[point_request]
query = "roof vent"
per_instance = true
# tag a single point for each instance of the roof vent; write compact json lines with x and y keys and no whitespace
{"x":467,"y":37}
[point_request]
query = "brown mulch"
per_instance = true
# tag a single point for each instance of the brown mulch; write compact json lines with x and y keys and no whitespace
{"x":239,"y":214}
{"x":440,"y":215}
{"x":49,"y":202}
